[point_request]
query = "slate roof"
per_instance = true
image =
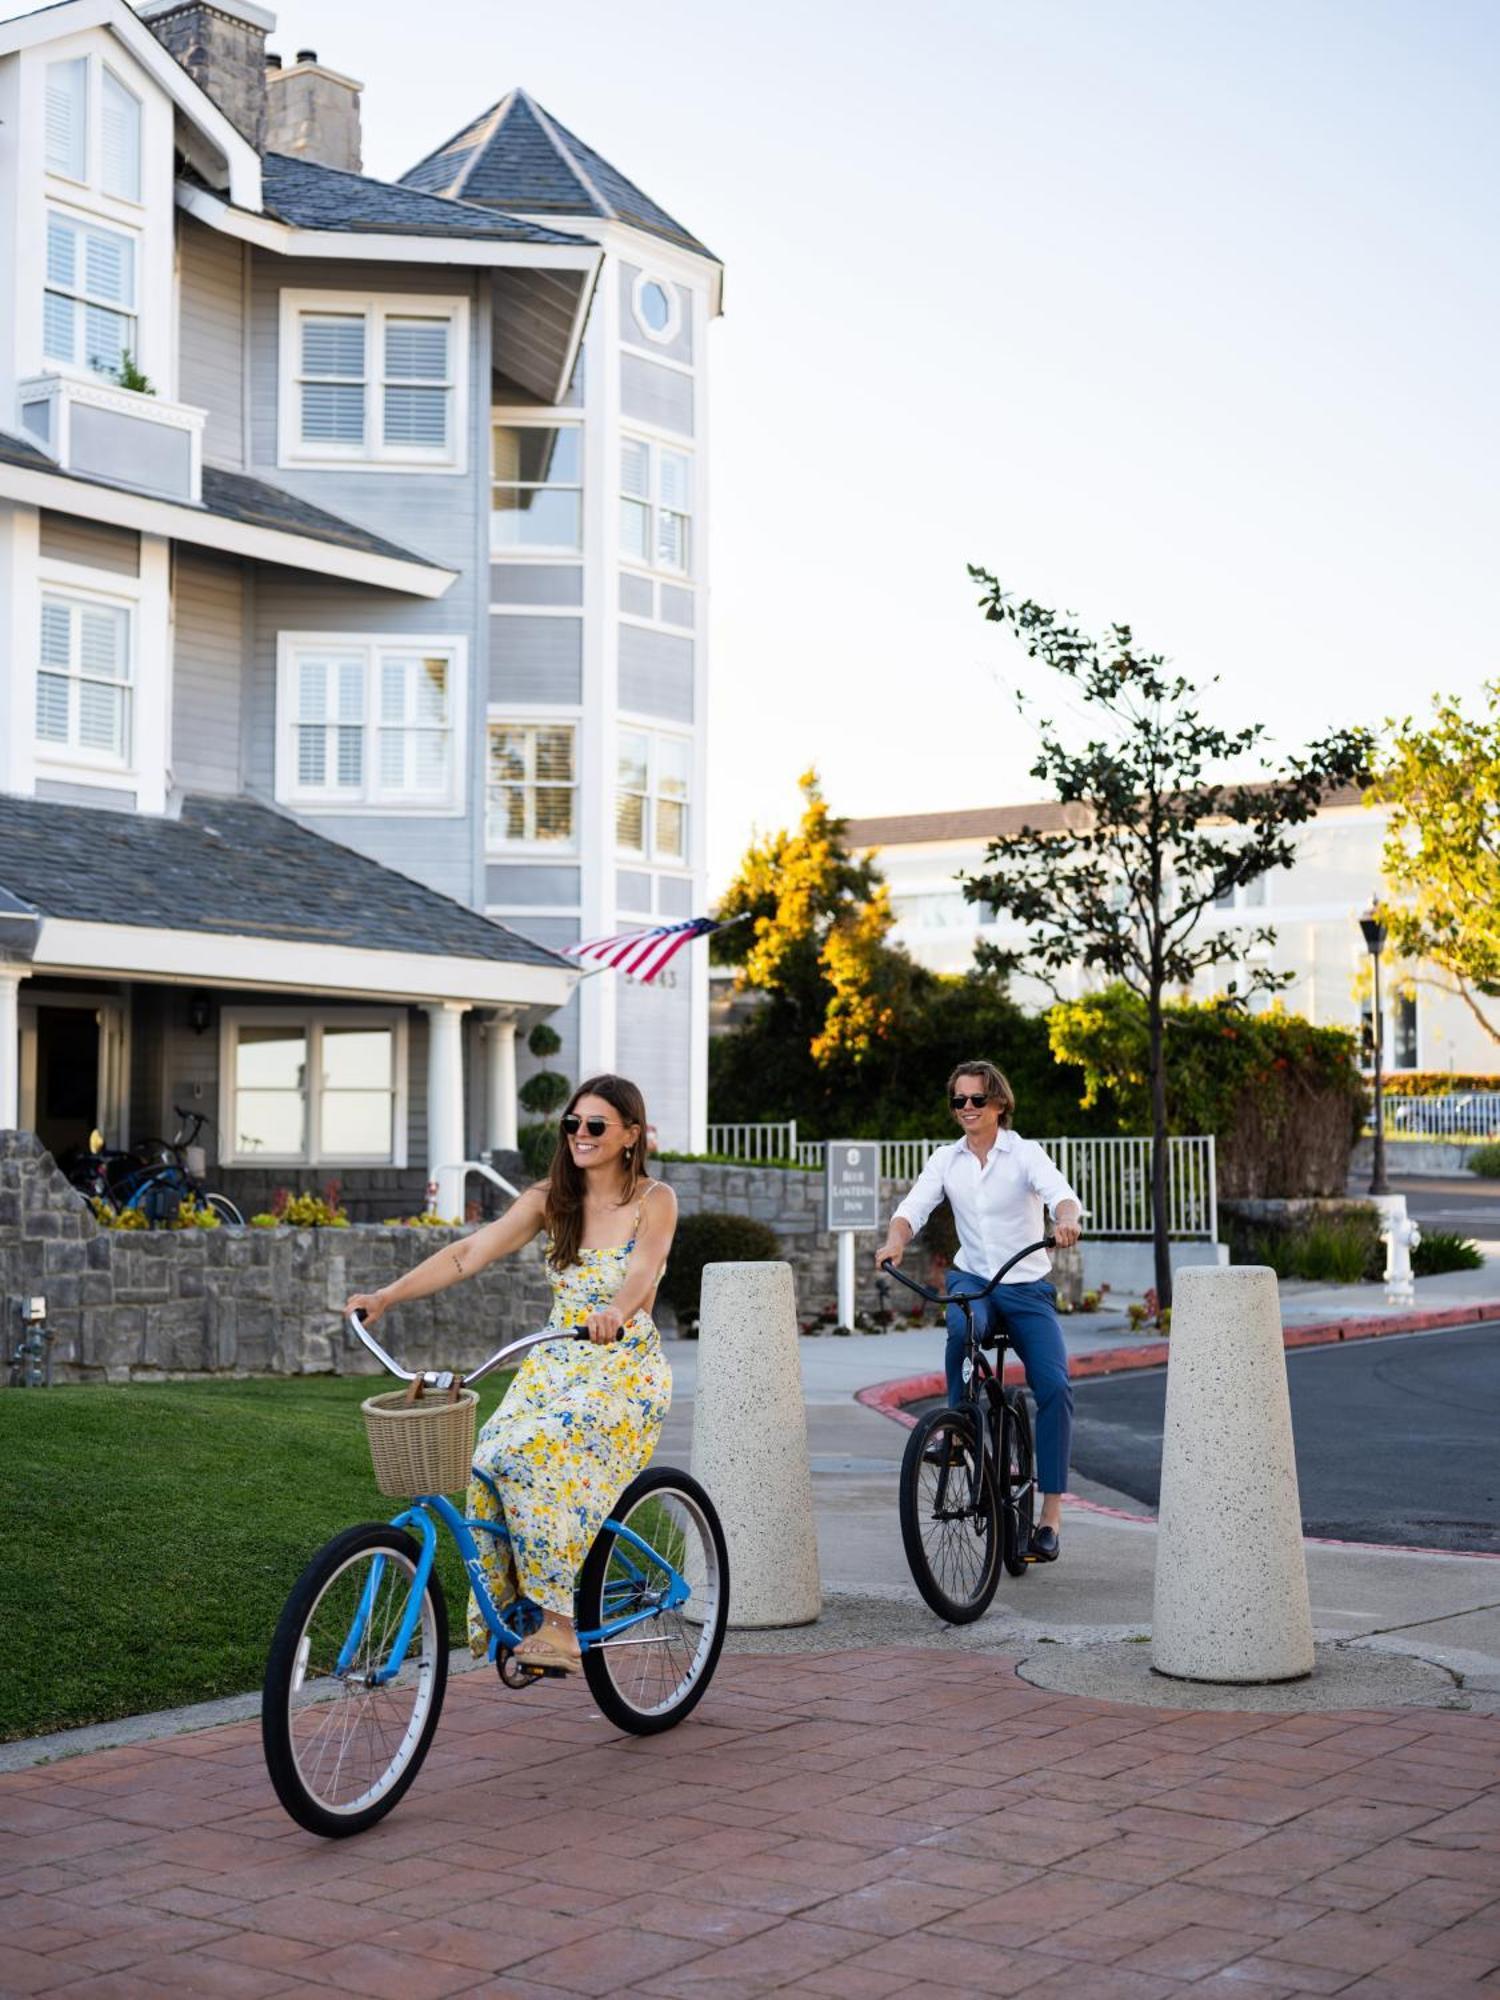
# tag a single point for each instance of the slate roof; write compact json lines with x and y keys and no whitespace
{"x":310,"y":196}
{"x":516,"y":155}
{"x":231,"y":867}
{"x":233,"y":496}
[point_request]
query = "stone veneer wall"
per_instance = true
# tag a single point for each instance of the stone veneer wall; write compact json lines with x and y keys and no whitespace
{"x":132,"y":1304}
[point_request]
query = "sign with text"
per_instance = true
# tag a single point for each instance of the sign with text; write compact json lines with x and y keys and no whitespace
{"x":852,"y":1184}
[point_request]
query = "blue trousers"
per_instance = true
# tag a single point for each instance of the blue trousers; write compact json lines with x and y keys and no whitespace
{"x":1028,"y":1314}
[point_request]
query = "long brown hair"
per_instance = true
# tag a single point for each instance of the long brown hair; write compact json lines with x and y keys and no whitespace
{"x":562,"y":1209}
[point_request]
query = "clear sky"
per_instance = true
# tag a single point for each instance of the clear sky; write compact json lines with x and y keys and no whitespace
{"x":1182,"y":312}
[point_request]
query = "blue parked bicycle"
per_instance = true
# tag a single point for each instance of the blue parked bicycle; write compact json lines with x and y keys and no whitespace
{"x":359,"y":1663}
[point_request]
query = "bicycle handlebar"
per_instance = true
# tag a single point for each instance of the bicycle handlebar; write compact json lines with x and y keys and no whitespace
{"x":939,"y":1299}
{"x":444,"y":1378}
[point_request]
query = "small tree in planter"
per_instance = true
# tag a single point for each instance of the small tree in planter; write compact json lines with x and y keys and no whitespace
{"x":543,"y":1095}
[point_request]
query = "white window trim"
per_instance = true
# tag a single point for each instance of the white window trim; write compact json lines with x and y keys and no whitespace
{"x":520,"y":716}
{"x":287,"y":791}
{"x":373,"y":455}
{"x":67,"y":210}
{"x":648,"y":856}
{"x":314,"y":1020}
{"x":79,"y":756}
{"x":657,"y":441}
{"x":91,"y":183}
{"x":531,"y":420}
{"x":119,"y":593}
{"x":674,"y":308}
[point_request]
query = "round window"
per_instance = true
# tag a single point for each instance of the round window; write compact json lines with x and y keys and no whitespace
{"x":654,"y":307}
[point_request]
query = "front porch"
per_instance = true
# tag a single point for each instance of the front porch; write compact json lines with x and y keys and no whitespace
{"x":322,"y":1017}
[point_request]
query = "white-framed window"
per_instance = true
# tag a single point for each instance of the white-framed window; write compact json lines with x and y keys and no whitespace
{"x":369,"y":724}
{"x":374,"y":381}
{"x":119,"y":138}
{"x":531,"y":792}
{"x":67,"y":119}
{"x":92,"y":127}
{"x":536,"y":488}
{"x":83,"y":680}
{"x":657,"y":306}
{"x":656,"y":505}
{"x":89,"y":317}
{"x":652,"y":795}
{"x":311,"y":1087}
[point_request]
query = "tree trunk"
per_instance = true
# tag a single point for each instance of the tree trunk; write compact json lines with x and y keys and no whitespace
{"x":1158,"y":1076}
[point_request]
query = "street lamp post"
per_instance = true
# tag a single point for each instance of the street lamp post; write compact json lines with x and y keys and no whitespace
{"x":1374,"y":936}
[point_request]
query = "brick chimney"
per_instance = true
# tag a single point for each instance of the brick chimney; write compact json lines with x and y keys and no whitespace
{"x":312,"y":112}
{"x":223,"y":48}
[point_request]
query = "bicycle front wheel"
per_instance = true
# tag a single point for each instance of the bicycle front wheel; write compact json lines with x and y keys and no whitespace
{"x":655,"y":1672}
{"x":950,"y":1516}
{"x":341,"y":1746}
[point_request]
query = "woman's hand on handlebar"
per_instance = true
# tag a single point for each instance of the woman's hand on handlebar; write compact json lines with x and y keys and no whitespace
{"x":603,"y":1327}
{"x":369,"y":1305}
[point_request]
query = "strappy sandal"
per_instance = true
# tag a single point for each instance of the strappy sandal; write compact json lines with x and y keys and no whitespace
{"x":546,"y":1656}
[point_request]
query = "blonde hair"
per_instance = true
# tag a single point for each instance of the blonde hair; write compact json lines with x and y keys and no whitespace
{"x":995,"y":1085}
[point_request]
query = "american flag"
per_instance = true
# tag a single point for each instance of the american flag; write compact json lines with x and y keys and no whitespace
{"x":643,"y":954}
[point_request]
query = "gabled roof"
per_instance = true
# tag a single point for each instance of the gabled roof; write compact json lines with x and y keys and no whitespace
{"x":231,"y":867}
{"x":517,"y":156}
{"x":307,"y":195}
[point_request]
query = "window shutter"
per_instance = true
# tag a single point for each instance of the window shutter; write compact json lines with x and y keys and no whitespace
{"x":109,"y":266}
{"x":416,"y":350}
{"x":120,"y":171}
{"x":333,"y":345}
{"x":66,"y":117}
{"x":635,"y":469}
{"x":416,"y":416}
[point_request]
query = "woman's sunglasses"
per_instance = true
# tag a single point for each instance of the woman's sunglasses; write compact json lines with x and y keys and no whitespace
{"x":978,"y":1099}
{"x":572,"y":1124}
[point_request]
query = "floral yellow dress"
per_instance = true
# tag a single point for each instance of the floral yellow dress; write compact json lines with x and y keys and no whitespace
{"x":576,"y":1426}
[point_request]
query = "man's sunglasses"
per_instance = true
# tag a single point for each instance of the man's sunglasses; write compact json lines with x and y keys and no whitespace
{"x":979,"y":1099}
{"x":572,"y":1124}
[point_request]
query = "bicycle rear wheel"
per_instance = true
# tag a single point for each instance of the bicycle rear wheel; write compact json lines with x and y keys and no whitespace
{"x":950,"y":1517}
{"x":224,"y":1208}
{"x":655,"y":1673}
{"x":1016,"y":1476}
{"x":341,"y":1750}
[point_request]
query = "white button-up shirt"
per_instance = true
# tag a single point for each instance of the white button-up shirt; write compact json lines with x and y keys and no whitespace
{"x":997,"y":1207}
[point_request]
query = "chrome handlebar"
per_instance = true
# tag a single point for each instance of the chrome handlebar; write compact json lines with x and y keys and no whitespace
{"x":444,"y":1378}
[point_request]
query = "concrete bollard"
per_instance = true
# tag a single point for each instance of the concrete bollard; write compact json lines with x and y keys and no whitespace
{"x":750,"y":1442}
{"x":1231,"y":1576}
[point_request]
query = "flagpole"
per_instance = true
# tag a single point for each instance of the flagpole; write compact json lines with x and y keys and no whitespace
{"x":728,"y":924}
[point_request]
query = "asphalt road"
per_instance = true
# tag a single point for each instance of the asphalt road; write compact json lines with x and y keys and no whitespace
{"x":1398,"y":1439}
{"x":1462,"y":1203}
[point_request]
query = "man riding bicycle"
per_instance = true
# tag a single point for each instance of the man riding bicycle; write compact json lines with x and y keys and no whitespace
{"x":997,"y":1183}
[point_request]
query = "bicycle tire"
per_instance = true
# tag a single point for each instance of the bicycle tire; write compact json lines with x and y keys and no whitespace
{"x":644,"y":1684}
{"x":972,"y":1516}
{"x":224,"y":1208}
{"x":1015,"y":1473}
{"x":359,"y":1789}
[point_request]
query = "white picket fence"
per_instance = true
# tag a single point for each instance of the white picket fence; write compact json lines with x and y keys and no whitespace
{"x":1461,"y":1114}
{"x":1112,"y":1176}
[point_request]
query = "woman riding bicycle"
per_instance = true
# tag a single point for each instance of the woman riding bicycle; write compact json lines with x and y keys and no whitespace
{"x":997,"y":1183}
{"x":580,"y":1420}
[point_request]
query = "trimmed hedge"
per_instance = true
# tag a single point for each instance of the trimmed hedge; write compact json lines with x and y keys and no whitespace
{"x":711,"y":1238}
{"x":1433,"y":1083}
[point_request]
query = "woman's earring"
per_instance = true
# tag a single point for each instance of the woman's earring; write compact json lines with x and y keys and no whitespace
{"x":628,"y":1151}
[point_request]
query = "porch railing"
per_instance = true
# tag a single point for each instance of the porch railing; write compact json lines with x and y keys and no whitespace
{"x":1462,"y":1114}
{"x":1112,"y":1176}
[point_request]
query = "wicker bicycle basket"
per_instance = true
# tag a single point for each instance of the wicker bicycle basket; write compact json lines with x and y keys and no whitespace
{"x":421,"y":1447}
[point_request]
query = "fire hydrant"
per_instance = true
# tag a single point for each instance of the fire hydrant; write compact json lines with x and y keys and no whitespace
{"x":1401,"y":1235}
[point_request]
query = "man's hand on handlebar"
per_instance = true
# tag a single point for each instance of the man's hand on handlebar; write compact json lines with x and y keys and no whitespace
{"x":369,"y":1305}
{"x":890,"y":1252}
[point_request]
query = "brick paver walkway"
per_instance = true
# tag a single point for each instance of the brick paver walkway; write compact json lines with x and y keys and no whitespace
{"x":863,"y":1825}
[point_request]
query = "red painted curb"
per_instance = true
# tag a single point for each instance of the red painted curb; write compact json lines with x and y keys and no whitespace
{"x":890,"y":1398}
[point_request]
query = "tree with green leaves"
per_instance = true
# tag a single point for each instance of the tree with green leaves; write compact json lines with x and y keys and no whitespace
{"x":1442,"y":850}
{"x":1155,"y":840}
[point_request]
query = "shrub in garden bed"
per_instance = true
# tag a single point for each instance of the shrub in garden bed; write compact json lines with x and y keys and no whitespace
{"x":1485,"y":1160}
{"x":711,"y":1238}
{"x":1443,"y":1250}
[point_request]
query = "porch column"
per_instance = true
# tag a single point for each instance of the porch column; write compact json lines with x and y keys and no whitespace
{"x":445,"y":1102}
{"x":500,"y":1106}
{"x":10,"y":1047}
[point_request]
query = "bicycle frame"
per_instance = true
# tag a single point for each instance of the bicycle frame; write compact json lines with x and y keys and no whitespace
{"x":418,"y":1517}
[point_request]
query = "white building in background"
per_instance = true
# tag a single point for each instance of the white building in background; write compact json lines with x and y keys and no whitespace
{"x":1313,"y":907}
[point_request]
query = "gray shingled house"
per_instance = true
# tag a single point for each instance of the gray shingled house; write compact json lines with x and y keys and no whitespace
{"x":351,"y":609}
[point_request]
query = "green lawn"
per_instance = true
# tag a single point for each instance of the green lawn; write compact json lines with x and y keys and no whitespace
{"x":152,"y":1535}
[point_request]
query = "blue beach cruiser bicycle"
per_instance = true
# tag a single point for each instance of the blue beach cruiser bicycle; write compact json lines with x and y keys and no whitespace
{"x":359,"y":1663}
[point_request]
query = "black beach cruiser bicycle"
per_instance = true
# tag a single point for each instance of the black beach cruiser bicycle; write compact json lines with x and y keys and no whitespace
{"x":968,"y":1479}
